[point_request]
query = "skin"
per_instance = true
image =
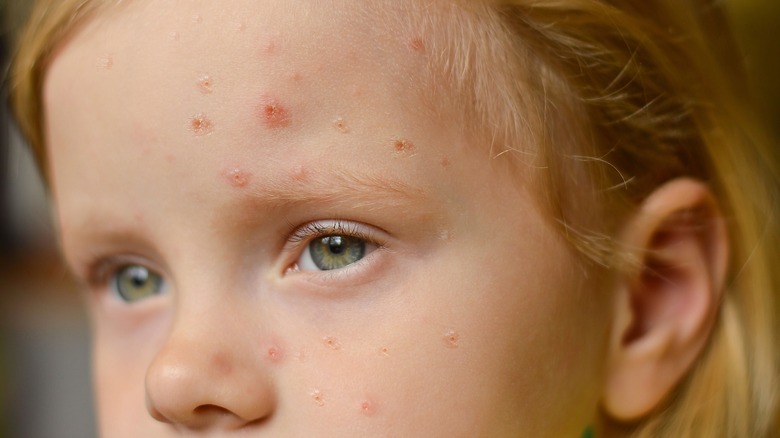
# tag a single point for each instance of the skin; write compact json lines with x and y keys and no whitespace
{"x":195,"y":139}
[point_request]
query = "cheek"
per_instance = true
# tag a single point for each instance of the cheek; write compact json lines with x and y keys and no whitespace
{"x":119,"y":390}
{"x":122,"y":349}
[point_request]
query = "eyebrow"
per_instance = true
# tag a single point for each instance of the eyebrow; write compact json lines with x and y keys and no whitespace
{"x":360,"y":189}
{"x":345,"y":190}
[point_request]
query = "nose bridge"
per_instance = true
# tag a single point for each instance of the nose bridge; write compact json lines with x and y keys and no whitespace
{"x":208,"y":374}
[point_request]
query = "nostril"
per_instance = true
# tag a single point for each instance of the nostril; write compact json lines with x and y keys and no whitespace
{"x":211,"y":411}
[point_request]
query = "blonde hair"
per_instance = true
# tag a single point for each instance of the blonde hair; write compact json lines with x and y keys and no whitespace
{"x":612,"y":98}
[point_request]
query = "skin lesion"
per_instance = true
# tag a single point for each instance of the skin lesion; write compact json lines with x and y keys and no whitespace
{"x":403,"y":146}
{"x":274,"y":114}
{"x":201,"y":125}
{"x":237,"y":177}
{"x":205,"y":84}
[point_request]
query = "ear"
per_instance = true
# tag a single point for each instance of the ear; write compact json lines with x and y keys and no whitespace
{"x":667,"y":304}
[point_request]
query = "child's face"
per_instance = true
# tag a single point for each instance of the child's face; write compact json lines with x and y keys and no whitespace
{"x":235,"y":149}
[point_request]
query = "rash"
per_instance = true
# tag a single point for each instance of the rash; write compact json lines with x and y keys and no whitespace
{"x":237,"y":177}
{"x":451,"y":339}
{"x":201,"y":125}
{"x":273,"y":114}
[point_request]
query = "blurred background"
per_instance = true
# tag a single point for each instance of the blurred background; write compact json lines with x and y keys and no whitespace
{"x":45,"y":387}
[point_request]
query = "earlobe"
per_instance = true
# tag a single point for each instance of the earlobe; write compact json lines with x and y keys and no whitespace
{"x":666,"y":306}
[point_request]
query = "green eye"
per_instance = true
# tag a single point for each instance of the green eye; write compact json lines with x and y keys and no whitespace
{"x":332,"y":252}
{"x":134,"y":283}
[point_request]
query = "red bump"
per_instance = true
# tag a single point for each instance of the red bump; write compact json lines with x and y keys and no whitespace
{"x":205,"y":84}
{"x":403,"y":145}
{"x":451,"y":339}
{"x":445,"y":162}
{"x":299,"y":173}
{"x":201,"y":125}
{"x":221,"y":363}
{"x":237,"y":177}
{"x":275,"y":354}
{"x":273,"y":114}
{"x":417,"y":44}
{"x":271,"y":47}
{"x":368,"y":408}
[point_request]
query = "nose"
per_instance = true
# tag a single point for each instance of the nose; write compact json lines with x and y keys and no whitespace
{"x":204,"y":378}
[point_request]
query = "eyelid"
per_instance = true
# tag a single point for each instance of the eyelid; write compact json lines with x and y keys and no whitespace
{"x":315,"y":229}
{"x":99,"y":271}
{"x":303,"y":235}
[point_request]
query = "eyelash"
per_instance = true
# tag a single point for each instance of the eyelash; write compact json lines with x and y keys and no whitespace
{"x":100,"y":270}
{"x":313,"y":230}
{"x":305,"y":234}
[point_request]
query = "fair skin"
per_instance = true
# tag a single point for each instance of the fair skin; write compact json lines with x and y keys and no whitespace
{"x":207,"y":160}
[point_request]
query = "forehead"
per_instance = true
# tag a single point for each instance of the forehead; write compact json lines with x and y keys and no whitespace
{"x":240,"y":48}
{"x":169,"y":106}
{"x":235,"y":77}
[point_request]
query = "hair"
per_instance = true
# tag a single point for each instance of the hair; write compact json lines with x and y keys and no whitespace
{"x":609,"y":99}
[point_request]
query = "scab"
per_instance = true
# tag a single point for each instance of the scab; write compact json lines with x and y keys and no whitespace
{"x":316,"y":395}
{"x":402,"y":145}
{"x":341,"y":125}
{"x":331,"y":343}
{"x":201,"y":125}
{"x":451,"y":339}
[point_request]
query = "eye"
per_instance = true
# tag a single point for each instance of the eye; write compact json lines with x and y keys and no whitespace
{"x":333,"y":246}
{"x":135,"y":282}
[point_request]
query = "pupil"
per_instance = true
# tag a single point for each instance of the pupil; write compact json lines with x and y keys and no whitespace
{"x":335,"y":244}
{"x":139,"y":277}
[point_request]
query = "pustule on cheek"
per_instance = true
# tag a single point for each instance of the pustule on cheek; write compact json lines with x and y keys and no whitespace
{"x":273,"y":114}
{"x":271,"y":46}
{"x":236,"y":177}
{"x":341,"y":125}
{"x":331,"y":343}
{"x":417,"y":44}
{"x":205,"y":84}
{"x":451,"y":339}
{"x":403,"y":146}
{"x":316,"y":395}
{"x":368,"y":407}
{"x":274,"y":354}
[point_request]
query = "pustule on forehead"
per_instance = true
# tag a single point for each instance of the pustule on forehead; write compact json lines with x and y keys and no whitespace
{"x":201,"y":125}
{"x":273,"y":113}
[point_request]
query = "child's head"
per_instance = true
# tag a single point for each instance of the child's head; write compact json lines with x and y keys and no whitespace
{"x":405,"y":218}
